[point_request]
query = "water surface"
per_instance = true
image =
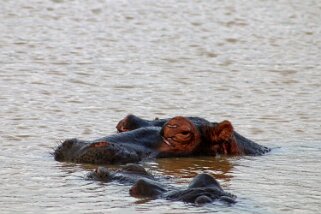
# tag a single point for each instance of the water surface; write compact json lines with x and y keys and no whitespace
{"x":75,"y":68}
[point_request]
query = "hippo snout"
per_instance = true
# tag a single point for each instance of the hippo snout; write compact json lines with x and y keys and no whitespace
{"x":60,"y":153}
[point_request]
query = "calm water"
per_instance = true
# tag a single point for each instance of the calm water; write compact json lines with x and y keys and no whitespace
{"x":75,"y":68}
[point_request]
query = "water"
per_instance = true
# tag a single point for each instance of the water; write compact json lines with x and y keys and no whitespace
{"x":75,"y":68}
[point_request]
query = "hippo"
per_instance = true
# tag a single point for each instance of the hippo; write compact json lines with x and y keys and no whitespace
{"x":217,"y":138}
{"x":203,"y":189}
{"x":126,"y":174}
{"x":179,"y":137}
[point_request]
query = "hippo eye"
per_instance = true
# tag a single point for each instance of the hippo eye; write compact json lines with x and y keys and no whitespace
{"x":185,"y":133}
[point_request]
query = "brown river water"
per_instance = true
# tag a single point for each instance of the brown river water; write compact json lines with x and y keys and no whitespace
{"x":75,"y":68}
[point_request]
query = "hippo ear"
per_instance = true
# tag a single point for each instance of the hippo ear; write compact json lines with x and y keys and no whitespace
{"x":223,"y":131}
{"x":205,"y":180}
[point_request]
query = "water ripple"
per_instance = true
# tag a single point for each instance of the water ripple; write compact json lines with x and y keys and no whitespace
{"x":73,"y":69}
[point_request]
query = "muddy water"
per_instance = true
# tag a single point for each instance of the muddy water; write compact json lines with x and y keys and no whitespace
{"x":75,"y":68}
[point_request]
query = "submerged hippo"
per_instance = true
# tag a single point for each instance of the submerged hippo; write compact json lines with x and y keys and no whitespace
{"x":216,"y":138}
{"x":127,"y":174}
{"x":203,"y":189}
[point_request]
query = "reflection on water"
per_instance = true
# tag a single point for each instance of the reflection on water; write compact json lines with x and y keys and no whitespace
{"x":220,"y":168}
{"x":74,"y":69}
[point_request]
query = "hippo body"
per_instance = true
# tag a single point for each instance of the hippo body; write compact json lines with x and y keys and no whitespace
{"x":248,"y":147}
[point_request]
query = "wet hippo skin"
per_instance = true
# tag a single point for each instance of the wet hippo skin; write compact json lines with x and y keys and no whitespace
{"x":126,"y":174}
{"x":131,"y":122}
{"x":132,"y":146}
{"x":178,"y":136}
{"x":203,"y":189}
{"x":216,"y":138}
{"x":127,"y":147}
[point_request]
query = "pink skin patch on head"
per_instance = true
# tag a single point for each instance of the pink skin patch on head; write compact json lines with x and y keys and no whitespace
{"x":99,"y":144}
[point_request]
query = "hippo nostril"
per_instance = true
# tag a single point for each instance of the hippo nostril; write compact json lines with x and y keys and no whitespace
{"x":58,"y":156}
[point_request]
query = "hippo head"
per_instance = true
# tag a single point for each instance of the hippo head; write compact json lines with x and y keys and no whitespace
{"x":146,"y":188}
{"x":128,"y":173}
{"x":180,"y":135}
{"x":78,"y":151}
{"x":203,"y":189}
{"x":100,"y":174}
